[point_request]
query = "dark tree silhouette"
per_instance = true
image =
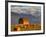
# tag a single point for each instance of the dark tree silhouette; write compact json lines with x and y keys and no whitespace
{"x":21,"y":21}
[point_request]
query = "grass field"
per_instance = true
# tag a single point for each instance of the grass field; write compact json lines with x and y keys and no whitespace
{"x":26,"y":27}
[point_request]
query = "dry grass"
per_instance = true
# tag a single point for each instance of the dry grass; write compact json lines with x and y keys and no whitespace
{"x":26,"y":27}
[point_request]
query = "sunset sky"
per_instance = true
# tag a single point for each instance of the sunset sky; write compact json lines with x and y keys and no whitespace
{"x":32,"y":12}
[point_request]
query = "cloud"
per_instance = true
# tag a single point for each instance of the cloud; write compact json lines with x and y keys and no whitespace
{"x":34,"y":10}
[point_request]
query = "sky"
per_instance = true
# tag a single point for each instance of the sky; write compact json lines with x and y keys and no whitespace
{"x":32,"y":12}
